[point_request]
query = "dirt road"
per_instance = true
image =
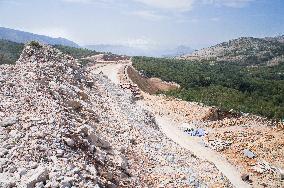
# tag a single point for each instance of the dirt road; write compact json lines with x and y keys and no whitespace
{"x":110,"y":70}
{"x":192,"y":144}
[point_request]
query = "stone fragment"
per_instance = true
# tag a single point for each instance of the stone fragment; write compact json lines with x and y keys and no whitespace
{"x":248,"y":153}
{"x":3,"y":152}
{"x":7,"y":180}
{"x":39,"y":174}
{"x":73,"y":104}
{"x":96,"y":139}
{"x":70,"y":142}
{"x":9,"y":121}
{"x":59,"y":153}
{"x":33,"y":165}
{"x":39,"y":185}
{"x":245,"y":177}
{"x":120,"y":162}
{"x":281,"y":174}
{"x":22,"y":171}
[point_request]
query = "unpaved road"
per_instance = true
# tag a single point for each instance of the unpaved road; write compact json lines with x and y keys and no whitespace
{"x":192,"y":144}
{"x":110,"y":70}
{"x":168,"y":127}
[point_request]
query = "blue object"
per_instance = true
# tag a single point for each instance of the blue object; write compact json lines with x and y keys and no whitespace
{"x":197,"y":132}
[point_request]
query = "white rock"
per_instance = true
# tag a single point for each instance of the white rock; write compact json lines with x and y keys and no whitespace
{"x":22,"y":171}
{"x":7,"y":180}
{"x":59,"y":153}
{"x":3,"y":152}
{"x":33,"y":164}
{"x":9,"y":121}
{"x":34,"y":176}
{"x":70,"y":142}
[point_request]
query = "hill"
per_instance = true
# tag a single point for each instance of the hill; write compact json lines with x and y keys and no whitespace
{"x":245,"y":51}
{"x":10,"y":51}
{"x":24,"y":37}
{"x":256,"y":90}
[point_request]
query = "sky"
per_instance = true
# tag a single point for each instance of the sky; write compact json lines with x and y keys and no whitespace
{"x":146,"y":24}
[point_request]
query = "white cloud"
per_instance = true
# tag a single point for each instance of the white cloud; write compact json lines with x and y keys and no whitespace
{"x":228,"y":3}
{"x":179,"y":5}
{"x":185,"y":5}
{"x":169,"y":5}
{"x":148,"y":15}
{"x":215,"y":19}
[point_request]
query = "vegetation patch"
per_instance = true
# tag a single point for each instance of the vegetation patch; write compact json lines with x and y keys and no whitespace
{"x":11,"y":51}
{"x":258,"y":90}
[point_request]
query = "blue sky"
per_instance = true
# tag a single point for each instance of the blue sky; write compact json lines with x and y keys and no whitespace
{"x":146,"y":23}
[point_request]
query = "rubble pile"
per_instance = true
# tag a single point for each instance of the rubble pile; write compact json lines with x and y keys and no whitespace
{"x":61,"y":125}
{"x":48,"y":134}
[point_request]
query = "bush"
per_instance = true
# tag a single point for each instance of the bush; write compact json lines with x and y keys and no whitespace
{"x":35,"y":44}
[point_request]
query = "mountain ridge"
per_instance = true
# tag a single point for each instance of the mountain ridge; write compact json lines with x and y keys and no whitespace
{"x":244,"y":50}
{"x":24,"y":37}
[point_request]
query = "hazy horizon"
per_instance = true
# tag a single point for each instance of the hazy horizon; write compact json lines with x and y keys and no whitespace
{"x":145,"y":24}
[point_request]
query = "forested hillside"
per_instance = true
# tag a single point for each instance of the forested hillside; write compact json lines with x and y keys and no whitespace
{"x":257,"y":90}
{"x":10,"y":51}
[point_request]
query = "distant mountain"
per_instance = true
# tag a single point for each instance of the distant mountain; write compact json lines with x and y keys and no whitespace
{"x":115,"y":49}
{"x":178,"y":51}
{"x":132,"y":51}
{"x":245,"y":50}
{"x":24,"y":37}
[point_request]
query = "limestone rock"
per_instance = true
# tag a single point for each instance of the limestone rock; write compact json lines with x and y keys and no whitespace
{"x":34,"y":176}
{"x":7,"y":180}
{"x":9,"y":121}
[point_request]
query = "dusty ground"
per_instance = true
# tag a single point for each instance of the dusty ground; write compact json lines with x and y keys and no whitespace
{"x":265,"y":140}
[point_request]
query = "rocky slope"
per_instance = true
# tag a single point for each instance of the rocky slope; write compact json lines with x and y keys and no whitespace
{"x":61,"y":125}
{"x":245,"y":50}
